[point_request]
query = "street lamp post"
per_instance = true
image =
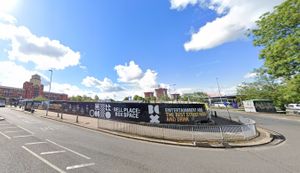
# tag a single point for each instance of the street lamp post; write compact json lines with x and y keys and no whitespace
{"x":49,"y":91}
{"x":172,"y":91}
{"x":222,"y":100}
{"x":219,"y":91}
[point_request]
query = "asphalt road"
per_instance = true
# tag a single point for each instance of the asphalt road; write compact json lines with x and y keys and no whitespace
{"x":34,"y":144}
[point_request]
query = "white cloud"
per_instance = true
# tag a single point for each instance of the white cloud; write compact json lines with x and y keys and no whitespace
{"x":129,"y":72}
{"x":148,"y":81}
{"x":6,"y":18}
{"x":42,"y":51}
{"x":134,"y":75}
{"x":82,"y":67}
{"x":13,"y":75}
{"x":237,"y":17}
{"x":181,"y":4}
{"x":106,"y":85}
{"x":250,"y":75}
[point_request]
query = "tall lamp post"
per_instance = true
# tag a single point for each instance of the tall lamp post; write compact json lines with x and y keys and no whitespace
{"x":172,"y":91}
{"x":49,"y":91}
{"x":221,"y":98}
{"x":219,"y":90}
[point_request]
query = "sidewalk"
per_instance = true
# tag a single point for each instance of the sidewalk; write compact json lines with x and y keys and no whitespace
{"x":264,"y":136}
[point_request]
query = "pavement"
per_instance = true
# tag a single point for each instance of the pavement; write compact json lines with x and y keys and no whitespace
{"x":35,"y":144}
{"x":263,"y":137}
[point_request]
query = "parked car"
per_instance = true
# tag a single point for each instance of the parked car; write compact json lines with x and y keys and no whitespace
{"x":293,"y":108}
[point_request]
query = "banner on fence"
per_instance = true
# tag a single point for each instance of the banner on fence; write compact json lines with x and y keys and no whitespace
{"x":136,"y":112}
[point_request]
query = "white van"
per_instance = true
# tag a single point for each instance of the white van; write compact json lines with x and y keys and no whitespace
{"x":293,"y":108}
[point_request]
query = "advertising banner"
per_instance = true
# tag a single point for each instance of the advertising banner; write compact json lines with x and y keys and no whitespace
{"x":135,"y":112}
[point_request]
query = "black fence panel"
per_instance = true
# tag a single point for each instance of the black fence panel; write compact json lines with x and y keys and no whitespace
{"x":135,"y":112}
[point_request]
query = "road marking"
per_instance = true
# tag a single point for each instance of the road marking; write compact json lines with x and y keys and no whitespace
{"x":52,"y":152}
{"x":82,"y":155}
{"x":12,"y":131}
{"x":43,"y":160}
{"x":5,"y":135}
{"x":26,"y":130}
{"x":22,"y":136}
{"x":35,"y":143}
{"x":79,"y":166}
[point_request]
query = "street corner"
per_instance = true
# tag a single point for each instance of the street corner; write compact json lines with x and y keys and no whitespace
{"x":265,"y":137}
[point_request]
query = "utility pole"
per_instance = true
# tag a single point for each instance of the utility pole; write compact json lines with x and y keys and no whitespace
{"x":49,"y":91}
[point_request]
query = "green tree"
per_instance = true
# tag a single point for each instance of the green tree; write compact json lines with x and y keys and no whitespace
{"x":290,"y":92}
{"x":264,"y":86}
{"x":96,"y":98}
{"x":278,"y":33}
{"x":195,"y":97}
{"x":138,"y":98}
{"x":40,"y":98}
{"x":126,"y":99}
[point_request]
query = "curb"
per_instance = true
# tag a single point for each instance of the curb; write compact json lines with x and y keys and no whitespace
{"x":203,"y":144}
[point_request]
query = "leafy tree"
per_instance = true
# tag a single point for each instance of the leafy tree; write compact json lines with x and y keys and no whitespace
{"x":138,"y":98}
{"x":96,"y":98}
{"x":83,"y":98}
{"x":278,"y":33}
{"x":290,"y":92}
{"x":264,"y":86}
{"x":164,"y":98}
{"x":40,"y":98}
{"x":194,"y":97}
{"x":126,"y":99}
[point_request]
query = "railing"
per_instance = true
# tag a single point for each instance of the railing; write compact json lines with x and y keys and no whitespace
{"x":175,"y":132}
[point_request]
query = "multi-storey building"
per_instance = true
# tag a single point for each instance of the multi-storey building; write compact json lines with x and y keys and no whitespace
{"x":32,"y":89}
{"x":149,"y":94}
{"x":161,"y":92}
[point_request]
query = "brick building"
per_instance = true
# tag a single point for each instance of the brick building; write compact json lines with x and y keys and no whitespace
{"x":32,"y":89}
{"x":161,"y":92}
{"x":11,"y":92}
{"x":149,"y":94}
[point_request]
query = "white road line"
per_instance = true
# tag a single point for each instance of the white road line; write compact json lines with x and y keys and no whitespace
{"x":82,"y":155}
{"x":79,"y":166}
{"x":26,"y":130}
{"x":12,"y":131}
{"x":5,"y":135}
{"x":35,"y":143}
{"x":22,"y":136}
{"x":52,"y":152}
{"x":43,"y":160}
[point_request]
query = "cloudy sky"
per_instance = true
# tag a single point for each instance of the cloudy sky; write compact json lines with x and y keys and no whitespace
{"x":121,"y":48}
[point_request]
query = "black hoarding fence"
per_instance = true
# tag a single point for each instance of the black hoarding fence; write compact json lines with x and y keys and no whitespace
{"x":135,"y":112}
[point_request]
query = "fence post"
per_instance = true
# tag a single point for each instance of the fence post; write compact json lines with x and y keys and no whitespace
{"x":193,"y":136}
{"x":222,"y":135}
